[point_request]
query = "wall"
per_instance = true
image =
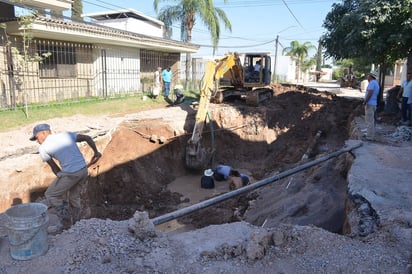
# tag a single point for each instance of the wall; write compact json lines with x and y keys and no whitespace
{"x":116,"y":70}
{"x":285,"y":68}
{"x":133,"y":25}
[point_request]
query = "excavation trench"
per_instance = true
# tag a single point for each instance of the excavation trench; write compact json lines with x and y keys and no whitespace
{"x":143,"y":165}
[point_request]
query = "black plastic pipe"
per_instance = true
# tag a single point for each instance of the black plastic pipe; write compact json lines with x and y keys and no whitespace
{"x":187,"y":210}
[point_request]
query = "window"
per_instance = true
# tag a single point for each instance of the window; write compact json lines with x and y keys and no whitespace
{"x":150,"y":60}
{"x":59,"y":60}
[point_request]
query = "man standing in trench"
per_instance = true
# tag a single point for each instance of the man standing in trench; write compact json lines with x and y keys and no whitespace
{"x":70,"y":173}
{"x":370,"y":103}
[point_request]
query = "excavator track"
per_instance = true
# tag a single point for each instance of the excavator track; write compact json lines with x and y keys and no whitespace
{"x":256,"y":96}
{"x":217,"y":98}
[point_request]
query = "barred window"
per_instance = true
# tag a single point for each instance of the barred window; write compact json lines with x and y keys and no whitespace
{"x":59,"y":61}
{"x":150,"y":60}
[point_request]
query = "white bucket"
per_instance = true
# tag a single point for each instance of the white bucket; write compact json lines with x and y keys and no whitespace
{"x":27,"y":230}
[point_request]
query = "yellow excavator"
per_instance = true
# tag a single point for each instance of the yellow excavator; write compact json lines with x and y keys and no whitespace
{"x":248,"y":80}
{"x":227,"y":77}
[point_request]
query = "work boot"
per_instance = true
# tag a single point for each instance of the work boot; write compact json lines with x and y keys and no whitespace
{"x":75,"y":215}
{"x":55,"y":229}
{"x":64,"y":216}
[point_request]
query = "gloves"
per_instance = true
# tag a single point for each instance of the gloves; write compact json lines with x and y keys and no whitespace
{"x":95,"y":158}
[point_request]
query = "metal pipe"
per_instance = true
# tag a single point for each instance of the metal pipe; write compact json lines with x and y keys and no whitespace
{"x":184,"y":211}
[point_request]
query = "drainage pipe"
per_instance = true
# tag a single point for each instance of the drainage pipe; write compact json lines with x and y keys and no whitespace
{"x":187,"y":210}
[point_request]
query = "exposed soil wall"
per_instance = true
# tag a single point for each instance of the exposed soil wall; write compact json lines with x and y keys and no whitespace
{"x":146,"y":154}
{"x":143,"y":153}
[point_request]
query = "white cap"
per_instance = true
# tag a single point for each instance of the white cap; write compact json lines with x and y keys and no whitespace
{"x":208,"y":172}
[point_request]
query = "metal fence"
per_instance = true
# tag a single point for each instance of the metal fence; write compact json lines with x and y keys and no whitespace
{"x":37,"y":72}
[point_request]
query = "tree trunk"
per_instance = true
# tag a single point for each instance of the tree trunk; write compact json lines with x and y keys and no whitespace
{"x":381,"y":102}
{"x":319,"y":57}
{"x":188,"y":69}
{"x":189,"y":27}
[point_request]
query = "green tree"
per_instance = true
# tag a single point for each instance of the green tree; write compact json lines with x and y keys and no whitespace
{"x":19,"y":57}
{"x":307,"y":64}
{"x":57,"y":14}
{"x":186,"y":12}
{"x":77,"y":10}
{"x":298,"y":52}
{"x":379,"y":32}
{"x":359,"y":66}
{"x":345,"y":65}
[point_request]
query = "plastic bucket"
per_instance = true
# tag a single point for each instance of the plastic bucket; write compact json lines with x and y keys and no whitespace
{"x":27,"y":230}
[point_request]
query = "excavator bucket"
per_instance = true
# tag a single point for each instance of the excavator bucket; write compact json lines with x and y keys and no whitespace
{"x":195,"y":155}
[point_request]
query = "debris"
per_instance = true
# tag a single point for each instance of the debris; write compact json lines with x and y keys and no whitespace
{"x":153,"y":138}
{"x":141,"y":226}
{"x":403,"y":133}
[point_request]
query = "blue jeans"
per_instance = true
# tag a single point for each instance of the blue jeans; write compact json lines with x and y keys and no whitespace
{"x":167,"y":88}
{"x":405,"y":108}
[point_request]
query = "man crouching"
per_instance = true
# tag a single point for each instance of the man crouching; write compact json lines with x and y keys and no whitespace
{"x":70,"y":173}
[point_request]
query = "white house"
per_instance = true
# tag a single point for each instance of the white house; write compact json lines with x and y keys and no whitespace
{"x":128,"y":20}
{"x":83,"y":59}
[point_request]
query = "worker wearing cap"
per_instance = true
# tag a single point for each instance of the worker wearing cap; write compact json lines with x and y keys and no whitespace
{"x":70,"y":173}
{"x":207,"y":180}
{"x":370,"y":103}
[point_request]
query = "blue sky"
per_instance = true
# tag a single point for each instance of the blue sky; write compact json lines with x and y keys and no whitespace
{"x":255,"y":23}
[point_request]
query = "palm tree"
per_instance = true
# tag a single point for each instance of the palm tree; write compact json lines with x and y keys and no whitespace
{"x":77,"y":10}
{"x":298,"y":52}
{"x":186,"y":12}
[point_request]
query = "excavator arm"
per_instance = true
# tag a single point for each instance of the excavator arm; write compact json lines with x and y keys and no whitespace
{"x":196,"y":155}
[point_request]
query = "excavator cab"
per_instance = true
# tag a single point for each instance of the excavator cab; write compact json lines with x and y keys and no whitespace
{"x":253,"y":71}
{"x":247,"y":79}
{"x":257,"y":67}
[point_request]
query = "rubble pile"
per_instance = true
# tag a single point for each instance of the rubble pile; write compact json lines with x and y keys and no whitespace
{"x":403,"y":133}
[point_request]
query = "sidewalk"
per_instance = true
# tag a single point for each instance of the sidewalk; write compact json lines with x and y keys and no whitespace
{"x":335,"y":88}
{"x":380,"y":178}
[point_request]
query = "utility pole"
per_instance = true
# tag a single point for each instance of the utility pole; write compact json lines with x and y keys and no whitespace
{"x":276,"y":58}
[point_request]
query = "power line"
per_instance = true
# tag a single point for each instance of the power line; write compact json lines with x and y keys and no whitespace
{"x":250,"y":4}
{"x":245,"y":46}
{"x":110,"y":6}
{"x":291,"y":12}
{"x":229,"y":5}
